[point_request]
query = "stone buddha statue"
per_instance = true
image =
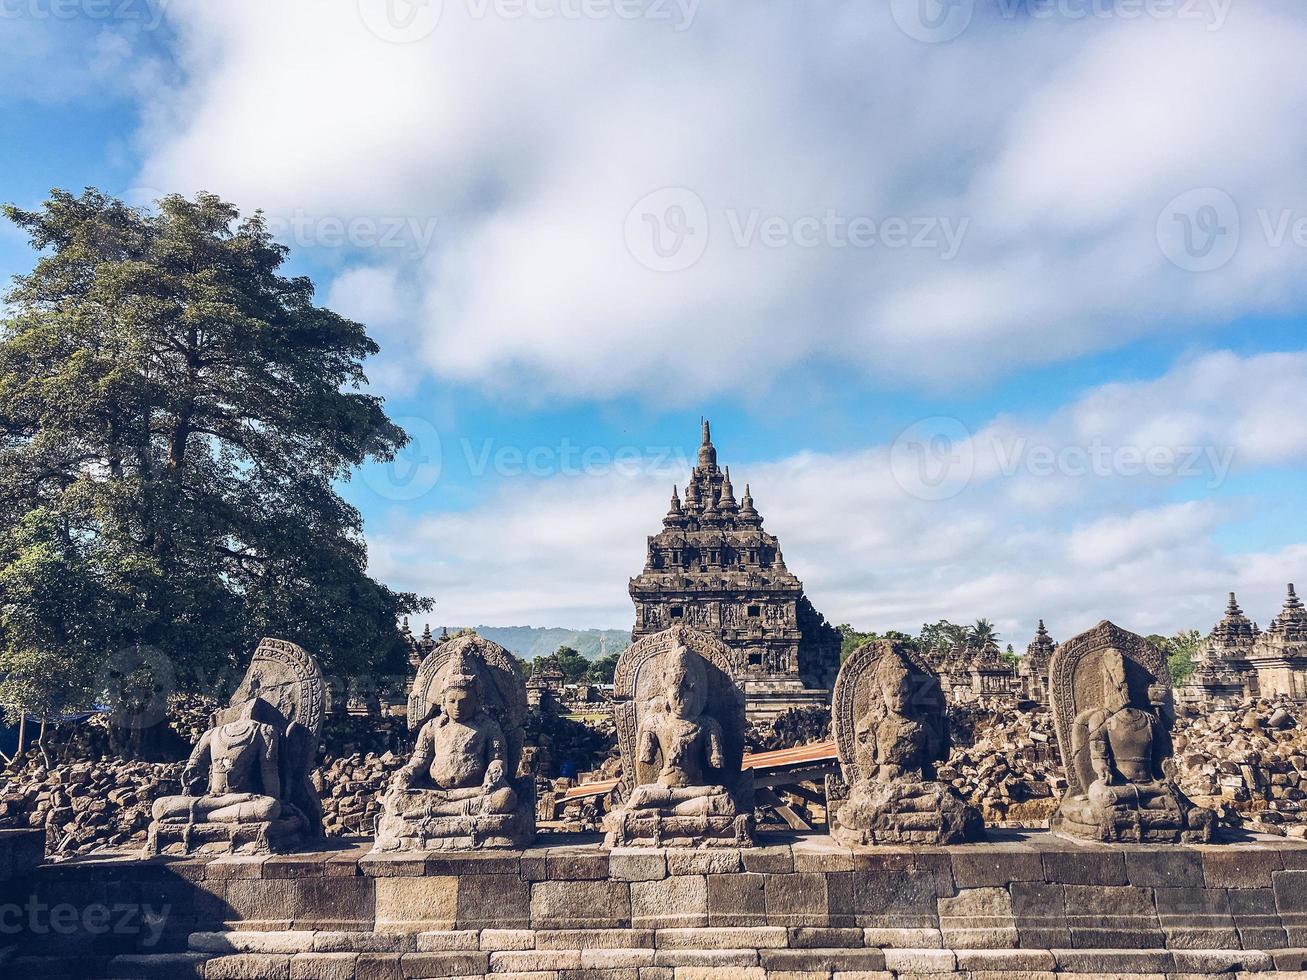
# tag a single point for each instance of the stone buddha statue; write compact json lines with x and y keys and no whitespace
{"x":1111,"y":706}
{"x":245,"y":786}
{"x":680,"y":734}
{"x":457,"y":789}
{"x":890,"y":732}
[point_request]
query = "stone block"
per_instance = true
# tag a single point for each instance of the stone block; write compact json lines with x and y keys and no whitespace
{"x":1006,"y":960}
{"x":494,"y":901}
{"x":706,"y":861}
{"x":537,"y":959}
{"x":744,"y":937}
{"x":363,"y":942}
{"x":980,"y":867}
{"x":1221,"y":961}
{"x":461,"y":863}
{"x":446,"y":964}
{"x":823,"y":959}
{"x":878,"y":897}
{"x":392,"y":865}
{"x":1085,"y":867}
{"x":420,"y":904}
{"x":637,"y":863}
{"x":891,"y":938}
{"x":705,"y":957}
{"x":576,"y":864}
{"x":716,"y":973}
{"x":261,"y":904}
{"x":446,"y":941}
{"x":797,"y":899}
{"x":1196,"y":918}
{"x":775,"y":859}
{"x":232,"y":866}
{"x":584,"y":939}
{"x":809,"y":937}
{"x":674,"y":902}
{"x":580,"y":904}
{"x":978,"y":918}
{"x":737,"y":900}
{"x":1039,"y":910}
{"x":150,"y":966}
{"x":1164,"y":867}
{"x":821,"y":854}
{"x":1109,"y":962}
{"x":1256,"y":918}
{"x":1239,"y":867}
{"x":248,"y":966}
{"x":336,"y":904}
{"x":657,"y":973}
{"x":497,"y":939}
{"x":616,"y":959}
{"x":378,"y":966}
{"x":323,"y":966}
{"x":902,"y":961}
{"x":294,"y":865}
{"x":250,"y":942}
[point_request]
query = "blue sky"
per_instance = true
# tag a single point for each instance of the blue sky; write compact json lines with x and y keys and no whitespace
{"x":1022,"y":228}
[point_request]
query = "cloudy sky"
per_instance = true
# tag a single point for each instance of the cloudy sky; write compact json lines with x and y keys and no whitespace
{"x":997,"y":305}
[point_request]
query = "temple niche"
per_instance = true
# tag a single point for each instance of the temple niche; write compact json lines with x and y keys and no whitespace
{"x":1033,"y":670}
{"x":680,"y":730}
{"x":712,"y":567}
{"x":1111,"y":697}
{"x":245,"y":787}
{"x":890,"y":732}
{"x":460,"y":788}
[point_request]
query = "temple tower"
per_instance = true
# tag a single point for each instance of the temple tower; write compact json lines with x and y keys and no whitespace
{"x":714,"y":568}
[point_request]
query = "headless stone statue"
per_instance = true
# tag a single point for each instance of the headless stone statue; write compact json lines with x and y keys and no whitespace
{"x":1116,"y":742}
{"x":684,"y":782}
{"x":456,"y":790}
{"x":889,"y":726}
{"x":245,"y":786}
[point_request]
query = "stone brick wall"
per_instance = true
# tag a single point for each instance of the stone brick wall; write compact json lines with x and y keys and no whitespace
{"x":1028,"y":903}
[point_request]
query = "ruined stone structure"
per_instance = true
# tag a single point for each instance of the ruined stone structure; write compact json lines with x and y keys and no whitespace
{"x":680,"y":728}
{"x":245,"y":788}
{"x":891,"y":732}
{"x":1111,"y":696}
{"x":971,"y":676}
{"x":460,"y":789}
{"x":1033,"y":670}
{"x":1238,"y":661}
{"x":547,"y":682}
{"x":712,"y":567}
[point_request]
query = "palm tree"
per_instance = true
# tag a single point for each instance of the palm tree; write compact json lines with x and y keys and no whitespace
{"x":983,"y":637}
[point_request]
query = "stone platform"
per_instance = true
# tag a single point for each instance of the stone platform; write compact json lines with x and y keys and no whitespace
{"x":1019,"y":905}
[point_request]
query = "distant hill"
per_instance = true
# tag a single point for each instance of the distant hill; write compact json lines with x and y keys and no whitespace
{"x":539,"y":641}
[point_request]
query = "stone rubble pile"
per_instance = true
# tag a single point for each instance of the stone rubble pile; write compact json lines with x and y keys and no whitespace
{"x":1011,"y":770}
{"x":1249,"y":764}
{"x":351,"y":788}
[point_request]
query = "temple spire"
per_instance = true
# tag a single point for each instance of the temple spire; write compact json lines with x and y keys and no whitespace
{"x":707,"y":452}
{"x":1233,"y":608}
{"x":727,"y":499}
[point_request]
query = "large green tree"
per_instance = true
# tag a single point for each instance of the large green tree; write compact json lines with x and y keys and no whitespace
{"x":174,"y":417}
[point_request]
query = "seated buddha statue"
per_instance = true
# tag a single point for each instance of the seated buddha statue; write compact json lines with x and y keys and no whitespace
{"x":456,"y":790}
{"x":233,"y":774}
{"x":1129,"y":796}
{"x":688,"y":742}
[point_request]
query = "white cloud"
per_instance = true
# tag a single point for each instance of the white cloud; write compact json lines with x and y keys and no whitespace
{"x":1059,"y":142}
{"x":559,"y":551}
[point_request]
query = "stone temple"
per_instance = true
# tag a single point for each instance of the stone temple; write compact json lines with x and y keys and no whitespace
{"x":1238,"y":661}
{"x":714,"y":568}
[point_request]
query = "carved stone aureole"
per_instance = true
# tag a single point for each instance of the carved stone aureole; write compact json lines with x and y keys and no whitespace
{"x":460,"y":789}
{"x":680,"y":730}
{"x":246,"y":785}
{"x":890,"y":732}
{"x":1111,"y":698}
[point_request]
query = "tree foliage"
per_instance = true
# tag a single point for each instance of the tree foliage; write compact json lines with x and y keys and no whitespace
{"x":1179,"y":650}
{"x":174,"y":416}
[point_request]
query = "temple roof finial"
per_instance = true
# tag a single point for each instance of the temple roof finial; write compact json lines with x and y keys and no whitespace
{"x":707,"y":452}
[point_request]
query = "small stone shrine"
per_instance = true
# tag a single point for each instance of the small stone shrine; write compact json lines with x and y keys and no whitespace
{"x":890,"y":731}
{"x":680,"y":729}
{"x":460,"y":789}
{"x":1111,"y":700}
{"x":246,"y":785}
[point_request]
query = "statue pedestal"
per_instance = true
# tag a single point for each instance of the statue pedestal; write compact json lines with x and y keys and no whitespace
{"x":905,"y":813}
{"x":1176,"y":821}
{"x":647,"y":828}
{"x":498,"y":830}
{"x":261,"y":837}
